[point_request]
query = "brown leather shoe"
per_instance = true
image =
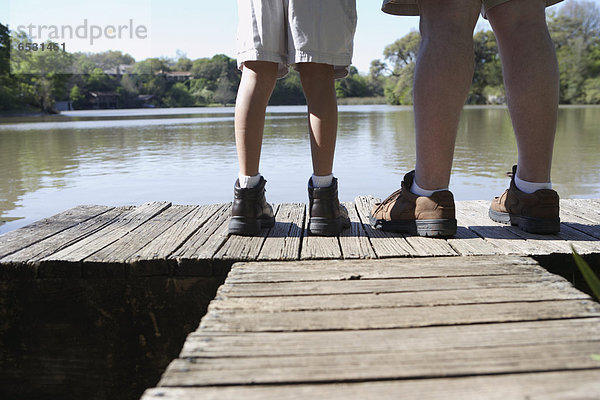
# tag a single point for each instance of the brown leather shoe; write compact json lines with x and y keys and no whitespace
{"x":327,"y":216}
{"x":250,"y":211}
{"x":404,"y":211}
{"x":535,"y":213}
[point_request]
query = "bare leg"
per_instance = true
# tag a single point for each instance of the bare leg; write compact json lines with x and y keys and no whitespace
{"x":531,"y":79}
{"x":319,"y":89}
{"x":256,"y":86}
{"x":443,"y":75}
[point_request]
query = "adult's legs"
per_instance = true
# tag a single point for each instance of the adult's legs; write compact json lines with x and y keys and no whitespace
{"x":256,"y":86}
{"x":319,"y":89}
{"x":443,"y":75}
{"x":531,"y":80}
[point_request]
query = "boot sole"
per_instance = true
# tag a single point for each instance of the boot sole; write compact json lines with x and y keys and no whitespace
{"x":319,"y":226}
{"x":421,"y":227}
{"x":246,"y":226}
{"x":542,"y":226}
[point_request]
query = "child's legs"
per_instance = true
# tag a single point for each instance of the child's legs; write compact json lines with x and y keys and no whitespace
{"x":319,"y":90}
{"x":256,"y":86}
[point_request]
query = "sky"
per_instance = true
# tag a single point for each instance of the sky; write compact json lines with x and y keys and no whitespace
{"x":195,"y":28}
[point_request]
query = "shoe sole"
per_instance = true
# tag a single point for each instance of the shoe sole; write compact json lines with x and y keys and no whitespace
{"x":246,"y":226}
{"x":421,"y":227}
{"x":319,"y":226}
{"x":542,"y":226}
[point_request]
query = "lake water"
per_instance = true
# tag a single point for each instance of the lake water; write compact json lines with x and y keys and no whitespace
{"x":187,"y":156}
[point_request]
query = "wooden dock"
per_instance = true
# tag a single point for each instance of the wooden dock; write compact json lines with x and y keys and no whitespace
{"x":164,"y":239}
{"x":489,"y":327}
{"x":368,"y":314}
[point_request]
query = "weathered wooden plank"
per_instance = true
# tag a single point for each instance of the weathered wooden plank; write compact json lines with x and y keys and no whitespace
{"x":242,"y":248}
{"x":318,"y":247}
{"x":389,"y":365}
{"x":440,"y":338}
{"x":169,"y":241}
{"x":381,"y":286}
{"x":424,"y":246}
{"x":385,"y":244}
{"x":381,"y":269}
{"x":18,"y":239}
{"x":547,"y":244}
{"x":204,"y":243}
{"x":125,"y":247}
{"x":468,"y":243}
{"x":470,"y":214}
{"x":585,"y":208}
{"x":574,"y":215}
{"x":354,"y":241}
{"x":540,"y":292}
{"x":583,"y":242}
{"x":547,"y":385}
{"x":575,"y":230}
{"x":406,"y":317}
{"x":65,"y":238}
{"x":283,"y":240}
{"x":109,"y":234}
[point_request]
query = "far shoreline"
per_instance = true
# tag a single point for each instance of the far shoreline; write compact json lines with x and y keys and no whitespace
{"x":345,"y":101}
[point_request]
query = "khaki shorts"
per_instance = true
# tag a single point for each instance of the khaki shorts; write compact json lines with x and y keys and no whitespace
{"x":411,"y":7}
{"x":289,"y":32}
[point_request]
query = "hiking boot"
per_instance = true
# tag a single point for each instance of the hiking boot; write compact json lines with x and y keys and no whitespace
{"x":327,"y":217}
{"x":534,"y":213}
{"x":250,"y":211}
{"x":404,"y":211}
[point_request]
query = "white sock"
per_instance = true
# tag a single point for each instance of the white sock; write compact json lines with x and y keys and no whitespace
{"x":248,"y":181}
{"x":322,"y":181}
{"x":531,"y":187}
{"x":419,"y":191}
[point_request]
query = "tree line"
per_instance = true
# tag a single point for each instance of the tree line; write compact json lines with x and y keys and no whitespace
{"x":38,"y":79}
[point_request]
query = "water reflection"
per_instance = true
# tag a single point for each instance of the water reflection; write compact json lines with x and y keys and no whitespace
{"x":187,"y":156}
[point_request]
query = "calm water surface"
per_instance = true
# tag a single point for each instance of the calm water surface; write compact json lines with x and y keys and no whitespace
{"x":187,"y":156}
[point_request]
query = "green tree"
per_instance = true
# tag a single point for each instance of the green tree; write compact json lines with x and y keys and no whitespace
{"x":376,"y":78}
{"x":403,"y":52}
{"x":178,"y":96}
{"x":77,"y":98}
{"x":353,"y":85}
{"x":591,"y":90}
{"x":398,"y":88}
{"x":402,"y":55}
{"x":575,"y":30}
{"x":41,"y":75}
{"x":288,"y":90}
{"x":487,"y":85}
{"x":110,"y":59}
{"x":9,"y":94}
{"x":225,"y":92}
{"x":151,"y":66}
{"x":183,"y":64}
{"x":200,"y":92}
{"x":156,"y":85}
{"x":212,"y":70}
{"x":98,"y":81}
